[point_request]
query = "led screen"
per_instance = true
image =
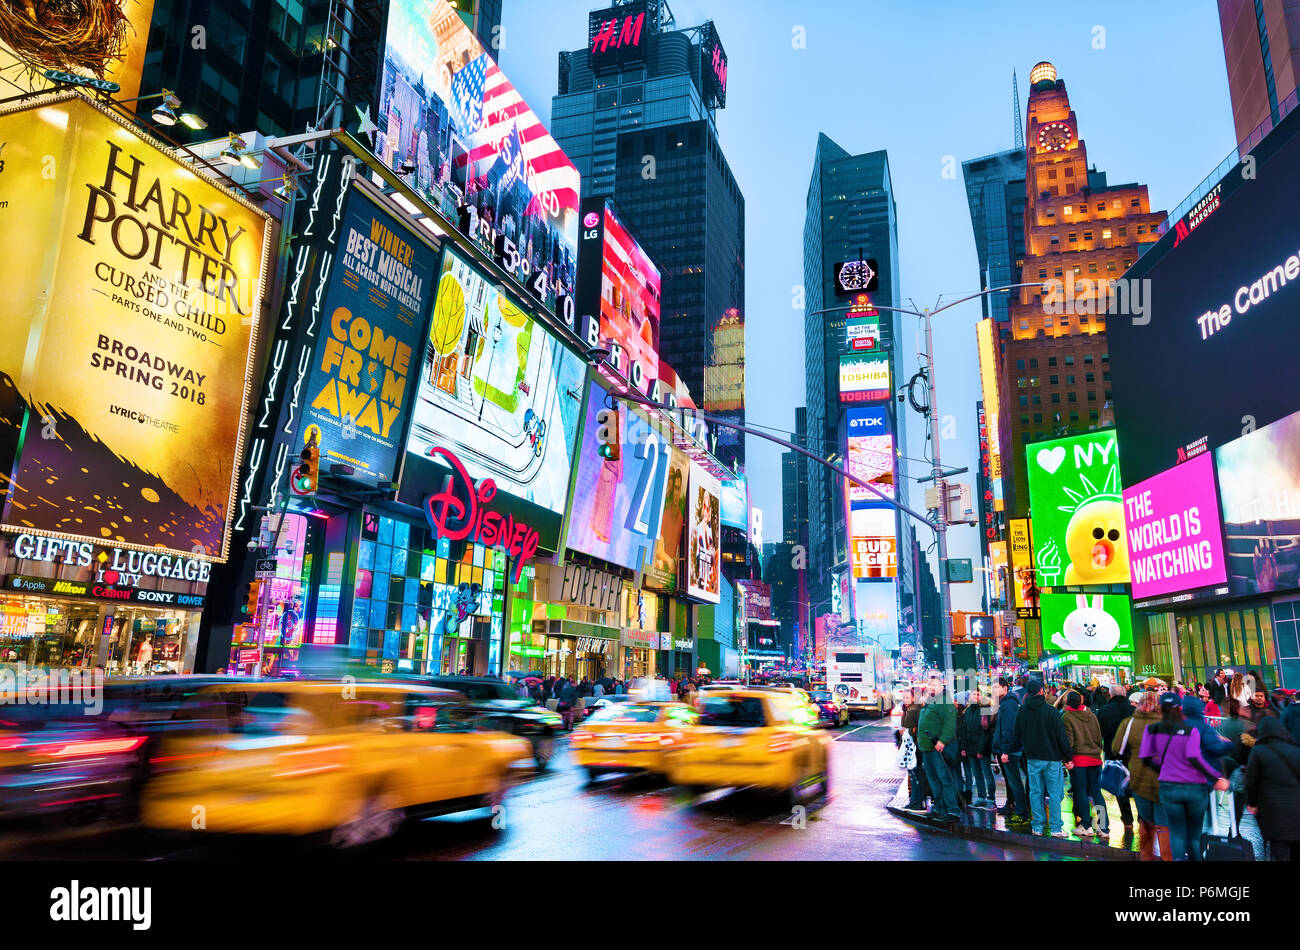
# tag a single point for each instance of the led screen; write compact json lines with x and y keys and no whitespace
{"x":1098,"y":623}
{"x":871,"y":454}
{"x":874,"y":548}
{"x":1078,"y":511}
{"x":735,"y":503}
{"x":502,"y":393}
{"x":865,"y":378}
{"x":661,"y":573}
{"x":1259,"y":485}
{"x":617,"y":510}
{"x":704,"y":538}
{"x":459,"y":133}
{"x":1175,"y":540}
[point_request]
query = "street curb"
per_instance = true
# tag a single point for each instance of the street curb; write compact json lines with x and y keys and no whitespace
{"x":1079,"y":849}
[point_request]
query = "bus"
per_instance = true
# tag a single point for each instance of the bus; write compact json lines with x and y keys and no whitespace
{"x":861,"y":679}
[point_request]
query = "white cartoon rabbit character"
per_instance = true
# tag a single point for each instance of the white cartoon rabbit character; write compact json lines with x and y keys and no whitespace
{"x":1088,"y":627}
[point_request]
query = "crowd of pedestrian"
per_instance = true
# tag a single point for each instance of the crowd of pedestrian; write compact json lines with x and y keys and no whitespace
{"x":1178,"y":762}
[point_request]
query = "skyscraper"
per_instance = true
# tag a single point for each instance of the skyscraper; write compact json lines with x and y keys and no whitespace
{"x":995,"y":192}
{"x":1081,"y":234}
{"x":1261,"y":46}
{"x":636,"y":113}
{"x":850,"y":216}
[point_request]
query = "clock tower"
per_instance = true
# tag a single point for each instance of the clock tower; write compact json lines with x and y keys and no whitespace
{"x":1081,"y":235}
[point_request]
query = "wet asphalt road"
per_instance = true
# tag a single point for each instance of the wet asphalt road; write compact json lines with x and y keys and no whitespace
{"x":555,"y":816}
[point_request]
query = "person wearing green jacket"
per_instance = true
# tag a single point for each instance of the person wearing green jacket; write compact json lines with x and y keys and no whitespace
{"x":936,"y":736}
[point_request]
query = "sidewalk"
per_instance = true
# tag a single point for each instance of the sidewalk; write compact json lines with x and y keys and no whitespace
{"x":985,"y":824}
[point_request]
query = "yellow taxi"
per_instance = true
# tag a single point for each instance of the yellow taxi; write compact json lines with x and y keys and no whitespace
{"x":350,"y":760}
{"x":754,"y":737}
{"x":630,"y":737}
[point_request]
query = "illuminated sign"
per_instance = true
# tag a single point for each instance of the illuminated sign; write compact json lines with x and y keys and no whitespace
{"x":713,"y":65}
{"x":661,"y":573}
{"x":27,"y":584}
{"x":1200,"y":211}
{"x":862,"y":333}
{"x":1024,"y":590}
{"x":1175,"y":539}
{"x":871,"y":455}
{"x":1077,"y":507}
{"x":451,"y":123}
{"x":865,"y":378}
{"x":735,"y":502}
{"x":500,"y":389}
{"x":619,"y":288}
{"x":587,"y":587}
{"x":375,"y":306}
{"x":129,"y":350}
{"x":1100,"y":622}
{"x":874,"y":548}
{"x":460,"y":512}
{"x":617,"y":35}
{"x":704,"y":537}
{"x":856,"y":277}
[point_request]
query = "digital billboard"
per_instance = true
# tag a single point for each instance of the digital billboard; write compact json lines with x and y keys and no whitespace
{"x":620,"y":287}
{"x":704,"y":536}
{"x":1259,"y":486}
{"x":131,"y":348}
{"x":498,"y":389}
{"x":1076,"y":503}
{"x":856,"y":277}
{"x":871,"y":456}
{"x":661,"y":573}
{"x":370,"y":346}
{"x":1220,"y":292}
{"x":735,"y":503}
{"x":862,"y":333}
{"x":459,"y":133}
{"x":619,"y":35}
{"x":873,"y":551}
{"x":617,"y":508}
{"x":1175,"y":540}
{"x":713,"y":66}
{"x":864,"y":377}
{"x":108,"y":44}
{"x":1024,"y":588}
{"x":1091,"y":622}
{"x":877,"y":614}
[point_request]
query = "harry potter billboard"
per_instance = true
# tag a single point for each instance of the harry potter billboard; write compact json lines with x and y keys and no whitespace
{"x":133,"y":298}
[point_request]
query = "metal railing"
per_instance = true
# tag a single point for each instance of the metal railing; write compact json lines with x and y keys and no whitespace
{"x":1285,"y":107}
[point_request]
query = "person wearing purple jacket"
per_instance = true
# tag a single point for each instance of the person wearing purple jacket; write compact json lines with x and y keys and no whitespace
{"x":1172,"y":748}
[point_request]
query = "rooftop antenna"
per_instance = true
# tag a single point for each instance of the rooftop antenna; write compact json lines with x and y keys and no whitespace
{"x":1015,"y":109}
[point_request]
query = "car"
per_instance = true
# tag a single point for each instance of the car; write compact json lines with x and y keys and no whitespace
{"x":630,"y":737}
{"x":765,"y":739}
{"x":63,"y":766}
{"x":343,"y":761}
{"x":503,"y":710}
{"x":829,"y":708}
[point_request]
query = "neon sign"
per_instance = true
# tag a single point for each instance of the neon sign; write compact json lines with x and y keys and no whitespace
{"x":618,"y":33}
{"x":460,"y":511}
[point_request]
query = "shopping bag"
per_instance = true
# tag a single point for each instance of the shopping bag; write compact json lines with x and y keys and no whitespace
{"x":1115,"y":778}
{"x":1216,"y":846}
{"x":907,"y":753}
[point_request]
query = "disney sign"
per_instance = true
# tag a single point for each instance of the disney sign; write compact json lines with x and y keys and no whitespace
{"x":460,"y":511}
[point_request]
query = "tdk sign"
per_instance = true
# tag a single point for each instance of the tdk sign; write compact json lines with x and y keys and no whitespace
{"x":868,"y":422}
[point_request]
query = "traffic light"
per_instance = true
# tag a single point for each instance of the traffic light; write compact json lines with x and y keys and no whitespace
{"x":608,"y":435}
{"x":252,"y":594}
{"x":307,"y":475}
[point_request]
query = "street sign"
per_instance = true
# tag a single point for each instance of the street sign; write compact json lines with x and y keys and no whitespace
{"x":960,"y":571}
{"x":265,"y":569}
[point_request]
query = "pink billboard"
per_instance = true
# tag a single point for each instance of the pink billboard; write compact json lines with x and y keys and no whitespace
{"x":1175,"y":539}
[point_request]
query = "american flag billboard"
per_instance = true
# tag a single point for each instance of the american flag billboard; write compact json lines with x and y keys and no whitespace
{"x":456,"y":130}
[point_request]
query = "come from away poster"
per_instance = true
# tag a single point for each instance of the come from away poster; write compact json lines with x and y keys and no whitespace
{"x":368,"y":352}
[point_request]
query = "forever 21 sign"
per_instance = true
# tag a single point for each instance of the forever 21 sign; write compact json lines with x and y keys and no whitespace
{"x":587,"y":587}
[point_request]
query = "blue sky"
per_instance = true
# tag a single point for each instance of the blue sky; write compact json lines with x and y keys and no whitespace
{"x":927,"y":81}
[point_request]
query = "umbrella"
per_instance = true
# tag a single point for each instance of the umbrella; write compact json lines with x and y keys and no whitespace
{"x":532,"y":681}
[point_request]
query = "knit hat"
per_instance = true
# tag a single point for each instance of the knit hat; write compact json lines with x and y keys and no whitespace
{"x":1033,"y":687}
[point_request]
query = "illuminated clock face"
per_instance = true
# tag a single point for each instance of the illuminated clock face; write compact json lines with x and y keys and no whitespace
{"x":1054,"y":136}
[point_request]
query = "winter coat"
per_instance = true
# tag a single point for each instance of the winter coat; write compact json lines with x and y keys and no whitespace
{"x":1084,"y":732}
{"x":912,"y":717}
{"x":974,"y":737}
{"x":1143,"y":780}
{"x":1004,"y":730}
{"x":1109,"y":717}
{"x":1273,"y":783}
{"x":1213,"y":745}
{"x":1173,"y":751}
{"x":1218,"y":691}
{"x":938,"y":723}
{"x":1291,"y":719}
{"x":1041,"y":732}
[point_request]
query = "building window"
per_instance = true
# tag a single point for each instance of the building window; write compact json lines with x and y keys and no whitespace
{"x":1117,"y":203}
{"x":1024,"y":324}
{"x":1105,"y":234}
{"x":1110,"y":267}
{"x":1101,"y":206}
{"x":1087,"y":235}
{"x":1074,"y":237}
{"x":1033,"y":364}
{"x":1142,"y":229}
{"x":1020,"y":364}
{"x":1057,"y":272}
{"x":1123,"y":232}
{"x":1038,"y":400}
{"x":1092,"y":394}
{"x":1092,"y":416}
{"x":1069,"y":380}
{"x":1020,"y":383}
{"x":1069,"y":187}
{"x":1089,"y":377}
{"x":1038,"y":418}
{"x":1092,"y":267}
{"x":1054,"y":241}
{"x":1024,"y":420}
{"x":1042,"y":272}
{"x":1069,"y":171}
{"x":1051,"y":361}
{"x":1078,"y":269}
{"x":1069,"y":209}
{"x":1051,"y":175}
{"x":1069,"y":361}
{"x":1087,"y":359}
{"x":1135,"y":203}
{"x":1056,"y":397}
{"x":1024,"y":401}
{"x":1054,"y":380}
{"x":1073,"y":397}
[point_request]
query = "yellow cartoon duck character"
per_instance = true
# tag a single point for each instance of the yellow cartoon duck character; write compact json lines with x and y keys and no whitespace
{"x":1095,"y":542}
